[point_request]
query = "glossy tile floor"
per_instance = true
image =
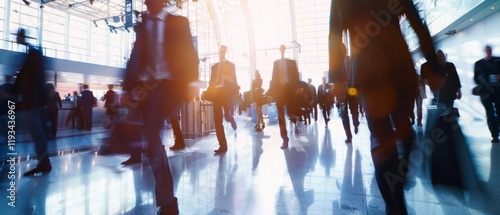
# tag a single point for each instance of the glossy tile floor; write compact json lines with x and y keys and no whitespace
{"x":318,"y":174}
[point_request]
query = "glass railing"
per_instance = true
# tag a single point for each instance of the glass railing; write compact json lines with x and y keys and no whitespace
{"x":59,"y":54}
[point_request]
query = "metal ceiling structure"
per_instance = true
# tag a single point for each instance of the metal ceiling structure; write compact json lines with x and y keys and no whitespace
{"x":95,"y":10}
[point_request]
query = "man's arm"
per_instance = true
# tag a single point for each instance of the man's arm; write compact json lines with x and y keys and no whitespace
{"x":424,"y":36}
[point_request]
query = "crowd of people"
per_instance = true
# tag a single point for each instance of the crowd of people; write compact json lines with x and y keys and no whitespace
{"x":384,"y":90}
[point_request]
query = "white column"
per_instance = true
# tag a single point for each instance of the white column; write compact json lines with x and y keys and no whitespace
{"x":293,"y":24}
{"x":6,"y":32}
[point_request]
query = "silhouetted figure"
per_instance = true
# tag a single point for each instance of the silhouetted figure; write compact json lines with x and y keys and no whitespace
{"x":223,"y":79}
{"x":86,"y":103}
{"x":112,"y":103}
{"x":386,"y":79}
{"x":282,"y":88}
{"x":314,"y":104}
{"x":258,"y":100}
{"x":74,"y":118}
{"x":30,"y":87}
{"x":340,"y":92}
{"x":162,"y":64}
{"x":487,"y":80}
{"x":421,"y":95}
{"x":450,"y":89}
{"x":53,"y":106}
{"x":325,"y":99}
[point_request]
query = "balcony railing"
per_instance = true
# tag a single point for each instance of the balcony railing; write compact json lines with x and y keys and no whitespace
{"x":61,"y":54}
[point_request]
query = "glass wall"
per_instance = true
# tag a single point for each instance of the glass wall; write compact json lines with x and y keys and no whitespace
{"x":300,"y":25}
{"x":54,"y":32}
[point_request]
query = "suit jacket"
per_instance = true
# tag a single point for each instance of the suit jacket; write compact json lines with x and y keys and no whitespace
{"x":30,"y":83}
{"x":228,"y":69}
{"x":313,"y":93}
{"x":179,"y":52}
{"x":324,"y":97}
{"x":290,"y":66}
{"x":87,"y":99}
{"x":483,"y":69}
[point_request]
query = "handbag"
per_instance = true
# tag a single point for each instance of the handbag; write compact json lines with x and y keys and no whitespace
{"x":209,"y":94}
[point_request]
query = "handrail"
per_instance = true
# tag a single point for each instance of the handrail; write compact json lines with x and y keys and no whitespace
{"x":66,"y":55}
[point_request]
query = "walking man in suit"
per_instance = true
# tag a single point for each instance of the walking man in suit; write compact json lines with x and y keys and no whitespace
{"x":284,"y":80}
{"x":487,"y":79}
{"x":386,"y":83}
{"x":162,"y":65}
{"x":32,"y":99}
{"x":314,"y":105}
{"x":325,"y":100}
{"x":223,"y":80}
{"x":87,"y":103}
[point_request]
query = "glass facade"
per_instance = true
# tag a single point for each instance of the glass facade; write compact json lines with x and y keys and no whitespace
{"x":253,"y":31}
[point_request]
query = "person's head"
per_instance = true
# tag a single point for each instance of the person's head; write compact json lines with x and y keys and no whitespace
{"x":50,"y":88}
{"x":154,"y":6}
{"x":441,"y":57}
{"x":222,"y":52}
{"x":75,"y":93}
{"x":282,"y":50}
{"x":323,"y":79}
{"x":85,"y":86}
{"x":309,"y":80}
{"x":488,"y":51}
{"x":21,"y":36}
{"x":110,"y":86}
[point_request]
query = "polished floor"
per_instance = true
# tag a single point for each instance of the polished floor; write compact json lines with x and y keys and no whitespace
{"x":318,"y":174}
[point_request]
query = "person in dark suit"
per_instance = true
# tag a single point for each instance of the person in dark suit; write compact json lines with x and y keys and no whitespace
{"x":325,"y":100}
{"x":450,"y":89}
{"x":87,"y":103}
{"x":30,"y":87}
{"x":314,"y":105}
{"x":487,"y":79}
{"x":223,"y":80}
{"x":421,"y":95}
{"x":162,"y":66}
{"x":386,"y":83}
{"x":257,"y":99}
{"x":111,"y":103}
{"x":282,"y":88}
{"x":53,"y":106}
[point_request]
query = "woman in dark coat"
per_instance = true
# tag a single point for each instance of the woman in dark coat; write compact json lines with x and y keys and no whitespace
{"x":54,"y":103}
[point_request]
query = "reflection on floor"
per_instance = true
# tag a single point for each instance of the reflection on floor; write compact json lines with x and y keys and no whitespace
{"x":318,"y":174}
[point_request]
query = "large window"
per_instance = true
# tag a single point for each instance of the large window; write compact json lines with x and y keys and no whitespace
{"x":78,"y":39}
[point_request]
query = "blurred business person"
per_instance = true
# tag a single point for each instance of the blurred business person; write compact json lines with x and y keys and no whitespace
{"x":162,"y":64}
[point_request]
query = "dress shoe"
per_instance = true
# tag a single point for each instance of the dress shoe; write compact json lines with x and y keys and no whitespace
{"x":284,"y":146}
{"x":419,"y":124}
{"x":39,"y":169}
{"x":172,"y":209}
{"x":348,"y":140}
{"x":356,"y":129}
{"x":131,"y":161}
{"x":176,"y":147}
{"x":221,"y":150}
{"x":495,"y":140}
